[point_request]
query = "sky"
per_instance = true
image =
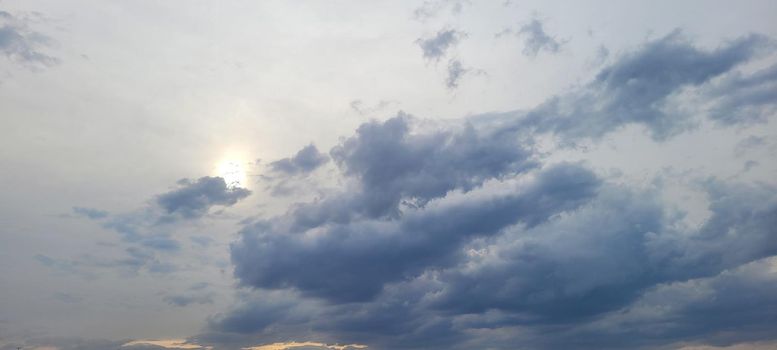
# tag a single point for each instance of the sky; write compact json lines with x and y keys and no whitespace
{"x":388,"y":175}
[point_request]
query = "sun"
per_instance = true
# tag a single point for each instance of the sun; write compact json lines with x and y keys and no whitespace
{"x":233,"y":173}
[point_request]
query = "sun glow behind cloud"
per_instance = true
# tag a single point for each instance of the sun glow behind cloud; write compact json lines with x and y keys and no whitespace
{"x":232,"y":167}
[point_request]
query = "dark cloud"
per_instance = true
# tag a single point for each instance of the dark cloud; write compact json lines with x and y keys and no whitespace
{"x":193,"y":199}
{"x":352,"y":261}
{"x":444,"y":273}
{"x":23,"y":45}
{"x":733,"y":307}
{"x":437,"y":46}
{"x":742,"y":98}
{"x":391,"y":167}
{"x":253,"y":317}
{"x":454,"y":236}
{"x":90,"y":213}
{"x":305,"y":161}
{"x":536,"y":40}
{"x":637,"y":88}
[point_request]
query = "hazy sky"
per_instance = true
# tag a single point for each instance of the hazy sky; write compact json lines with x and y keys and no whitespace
{"x":439,"y":174}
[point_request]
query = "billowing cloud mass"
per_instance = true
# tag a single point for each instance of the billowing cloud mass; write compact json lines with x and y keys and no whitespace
{"x":449,"y":235}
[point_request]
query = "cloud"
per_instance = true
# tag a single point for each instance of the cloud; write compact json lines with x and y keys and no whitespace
{"x":733,"y":307}
{"x":161,"y":344}
{"x":360,"y":108}
{"x":305,"y":161}
{"x":742,"y":98}
{"x":432,"y":8}
{"x":749,"y":143}
{"x":21,"y":44}
{"x":90,"y":213}
{"x":486,"y":261}
{"x":638,"y":89}
{"x":306,"y":345}
{"x":446,"y":235}
{"x":456,"y":71}
{"x":192,"y":199}
{"x":147,"y":233}
{"x":352,"y":261}
{"x":62,"y":343}
{"x":186,"y":300}
{"x":391,"y":167}
{"x":437,"y":46}
{"x":536,"y":40}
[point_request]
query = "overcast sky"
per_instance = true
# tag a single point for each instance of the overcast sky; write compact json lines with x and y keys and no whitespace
{"x":389,"y":175}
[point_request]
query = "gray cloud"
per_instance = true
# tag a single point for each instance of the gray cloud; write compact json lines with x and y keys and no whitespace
{"x":352,"y":261}
{"x":637,"y":88}
{"x":742,"y":98}
{"x":456,"y":71}
{"x":186,"y":300}
{"x":146,"y":233}
{"x":90,"y":213}
{"x":362,"y":109}
{"x":445,"y":236}
{"x":432,"y":8}
{"x":194,"y":198}
{"x":437,"y":46}
{"x":305,"y":161}
{"x":569,"y":276}
{"x":537,"y":40}
{"x":749,"y":143}
{"x":21,"y":44}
